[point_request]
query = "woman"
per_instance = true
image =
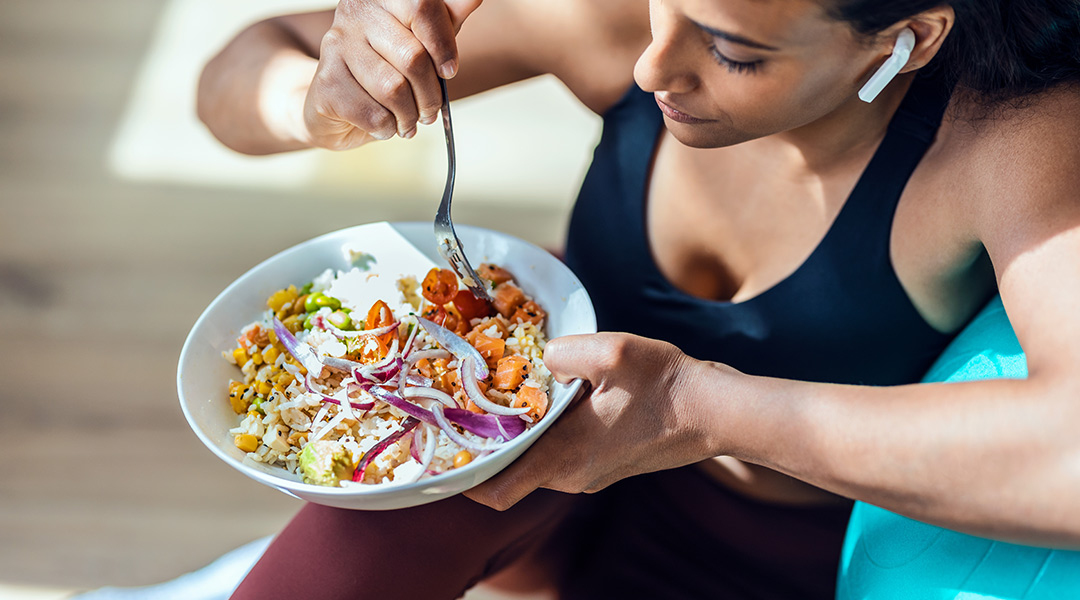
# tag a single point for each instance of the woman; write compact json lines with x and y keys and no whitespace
{"x":803,"y":254}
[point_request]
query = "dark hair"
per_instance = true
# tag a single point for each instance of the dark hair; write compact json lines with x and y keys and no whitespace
{"x":1000,"y":49}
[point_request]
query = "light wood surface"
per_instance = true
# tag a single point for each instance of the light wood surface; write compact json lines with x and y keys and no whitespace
{"x":100,"y":279}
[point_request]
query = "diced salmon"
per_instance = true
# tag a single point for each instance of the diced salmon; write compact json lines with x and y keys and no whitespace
{"x":529,"y":312}
{"x":454,"y":381}
{"x":510,"y":372}
{"x":507,"y":297}
{"x":536,"y":400}
{"x":500,"y":326}
{"x":492,"y":349}
{"x":494,"y":274}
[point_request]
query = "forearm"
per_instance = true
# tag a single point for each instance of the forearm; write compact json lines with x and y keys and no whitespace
{"x":251,"y":95}
{"x":993,"y":458}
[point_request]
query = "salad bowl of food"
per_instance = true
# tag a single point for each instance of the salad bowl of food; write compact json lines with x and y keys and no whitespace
{"x":354,"y":370}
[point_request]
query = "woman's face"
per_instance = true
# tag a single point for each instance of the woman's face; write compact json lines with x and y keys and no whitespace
{"x":727,"y":71}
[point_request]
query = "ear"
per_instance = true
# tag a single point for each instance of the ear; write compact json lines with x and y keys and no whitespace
{"x":931,"y":27}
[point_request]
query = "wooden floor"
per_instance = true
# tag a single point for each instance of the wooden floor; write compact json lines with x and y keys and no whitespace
{"x":100,"y":279}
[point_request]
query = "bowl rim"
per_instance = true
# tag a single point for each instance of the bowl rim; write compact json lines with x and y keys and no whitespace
{"x":294,"y":487}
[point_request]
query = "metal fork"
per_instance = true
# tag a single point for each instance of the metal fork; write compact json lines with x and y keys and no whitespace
{"x":450,"y":247}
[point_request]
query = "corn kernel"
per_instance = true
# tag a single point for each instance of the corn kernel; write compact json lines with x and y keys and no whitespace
{"x":462,"y":458}
{"x":240,"y":356}
{"x":239,"y":404}
{"x":257,"y":358}
{"x":246,"y":442}
{"x":270,"y":355}
{"x":264,"y":387}
{"x":293,"y":323}
{"x":280,"y":298}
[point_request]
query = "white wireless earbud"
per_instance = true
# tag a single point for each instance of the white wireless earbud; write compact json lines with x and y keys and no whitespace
{"x":905,"y":42}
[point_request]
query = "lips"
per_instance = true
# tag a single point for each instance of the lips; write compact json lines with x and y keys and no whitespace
{"x":675,"y":114}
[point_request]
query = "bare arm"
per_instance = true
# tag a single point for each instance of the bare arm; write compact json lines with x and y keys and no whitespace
{"x":994,"y":458}
{"x":341,"y":79}
{"x":251,"y":95}
{"x":997,"y":458}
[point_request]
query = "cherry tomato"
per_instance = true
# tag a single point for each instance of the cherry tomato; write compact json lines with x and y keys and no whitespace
{"x":369,"y":348}
{"x":470,"y":306}
{"x":380,"y":315}
{"x":440,"y":286}
{"x":435,"y":314}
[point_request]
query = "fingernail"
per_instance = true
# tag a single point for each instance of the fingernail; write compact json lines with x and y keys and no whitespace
{"x":428,"y":120}
{"x":380,"y":135}
{"x":448,"y":69}
{"x":408,"y":134}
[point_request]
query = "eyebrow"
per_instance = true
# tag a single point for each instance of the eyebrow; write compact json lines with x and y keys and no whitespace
{"x":734,"y":38}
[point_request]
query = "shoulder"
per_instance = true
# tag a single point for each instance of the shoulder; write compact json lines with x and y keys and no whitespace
{"x":1016,"y":162}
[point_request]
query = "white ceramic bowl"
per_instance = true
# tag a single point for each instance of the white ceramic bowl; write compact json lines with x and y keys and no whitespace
{"x":203,"y":375}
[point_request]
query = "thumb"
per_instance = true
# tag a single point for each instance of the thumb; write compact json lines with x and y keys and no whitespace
{"x":460,"y":10}
{"x":575,"y":356}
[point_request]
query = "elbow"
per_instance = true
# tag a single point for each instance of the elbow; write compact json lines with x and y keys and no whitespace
{"x":227,"y":94}
{"x":212,"y":105}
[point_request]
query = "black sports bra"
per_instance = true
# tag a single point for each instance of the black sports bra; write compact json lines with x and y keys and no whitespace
{"x":841,"y":317}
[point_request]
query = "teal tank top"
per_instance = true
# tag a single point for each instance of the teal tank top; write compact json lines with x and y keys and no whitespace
{"x":890,"y":557}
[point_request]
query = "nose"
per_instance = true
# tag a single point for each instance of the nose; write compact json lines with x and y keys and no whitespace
{"x":666,"y":65}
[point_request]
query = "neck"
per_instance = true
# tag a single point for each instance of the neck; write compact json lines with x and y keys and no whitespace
{"x":845,"y":134}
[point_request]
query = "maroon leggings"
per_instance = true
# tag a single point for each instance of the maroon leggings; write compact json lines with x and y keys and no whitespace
{"x":673,"y":534}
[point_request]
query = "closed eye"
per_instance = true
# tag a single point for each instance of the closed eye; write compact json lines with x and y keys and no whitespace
{"x":733,"y":66}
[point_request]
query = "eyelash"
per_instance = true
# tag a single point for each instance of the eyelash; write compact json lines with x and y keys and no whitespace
{"x":733,"y":66}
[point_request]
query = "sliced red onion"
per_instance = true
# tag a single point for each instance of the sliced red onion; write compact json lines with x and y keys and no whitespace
{"x":375,"y":372}
{"x":302,"y":352}
{"x":430,"y":392}
{"x":415,"y":358}
{"x":457,"y":438}
{"x":311,"y":388}
{"x":416,"y":435}
{"x":341,"y":364}
{"x":430,"y":443}
{"x":457,"y":345}
{"x":489,"y":426}
{"x":408,"y":347}
{"x":389,"y":370}
{"x":343,"y":333}
{"x":502,"y":429}
{"x":416,"y":380}
{"x":472,"y":390}
{"x":432,"y":354}
{"x":377,"y":449}
{"x":400,"y":403}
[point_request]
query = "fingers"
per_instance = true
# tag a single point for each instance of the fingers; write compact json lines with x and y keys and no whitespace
{"x":411,"y":91}
{"x":586,"y":356}
{"x":436,"y":32}
{"x":379,"y":67}
{"x":460,"y":10}
{"x":511,"y":485}
{"x":339,"y":113}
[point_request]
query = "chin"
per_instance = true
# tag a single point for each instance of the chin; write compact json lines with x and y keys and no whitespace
{"x":706,"y":135}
